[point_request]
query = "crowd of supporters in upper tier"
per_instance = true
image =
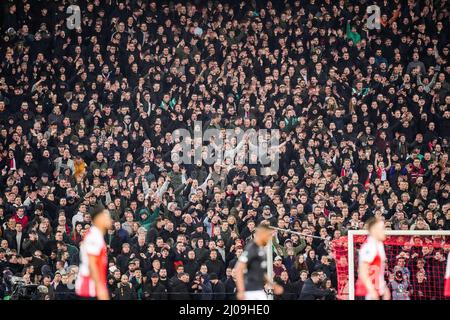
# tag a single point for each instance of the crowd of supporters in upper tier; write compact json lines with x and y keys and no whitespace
{"x":89,"y":106}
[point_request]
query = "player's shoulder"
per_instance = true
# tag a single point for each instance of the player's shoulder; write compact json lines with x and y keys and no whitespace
{"x":368,"y":248}
{"x":250,"y":249}
{"x":94,"y":235}
{"x":94,"y":241}
{"x":372,"y":243}
{"x":248,"y":253}
{"x":368,"y":245}
{"x":251,"y":245}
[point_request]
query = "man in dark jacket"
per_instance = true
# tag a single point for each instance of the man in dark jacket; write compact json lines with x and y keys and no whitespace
{"x":31,"y":244}
{"x":153,"y":290}
{"x":124,"y":257}
{"x":47,"y":282}
{"x":230,"y":288}
{"x":218,"y":288}
{"x":125,"y":291}
{"x":174,"y":279}
{"x":311,"y":289}
{"x":215,"y":265}
{"x":9,"y":232}
{"x":290,"y":289}
{"x":180,"y":289}
{"x":192,"y":266}
{"x":62,"y":291}
{"x":206,"y":288}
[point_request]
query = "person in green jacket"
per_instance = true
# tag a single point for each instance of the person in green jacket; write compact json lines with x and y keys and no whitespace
{"x":283,"y":250}
{"x":148,"y":215}
{"x":352,"y":34}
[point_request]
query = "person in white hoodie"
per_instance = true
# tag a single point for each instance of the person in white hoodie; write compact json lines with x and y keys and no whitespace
{"x":78,"y":217}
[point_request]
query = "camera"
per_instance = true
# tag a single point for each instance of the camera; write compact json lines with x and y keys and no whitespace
{"x":22,"y":291}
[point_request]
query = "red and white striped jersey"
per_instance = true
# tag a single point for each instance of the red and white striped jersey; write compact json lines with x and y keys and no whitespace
{"x":93,"y":244}
{"x":372,"y":252}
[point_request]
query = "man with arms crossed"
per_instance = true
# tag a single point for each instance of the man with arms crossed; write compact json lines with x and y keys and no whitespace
{"x":91,"y":280}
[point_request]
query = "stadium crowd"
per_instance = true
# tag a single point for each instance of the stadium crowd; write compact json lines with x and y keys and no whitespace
{"x":87,"y":116}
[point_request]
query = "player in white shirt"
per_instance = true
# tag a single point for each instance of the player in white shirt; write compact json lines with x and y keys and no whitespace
{"x":91,"y":280}
{"x":371,"y":284}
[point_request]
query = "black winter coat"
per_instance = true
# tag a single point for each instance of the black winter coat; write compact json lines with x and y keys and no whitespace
{"x":312,"y":291}
{"x":151,"y":292}
{"x":218,"y":290}
{"x":125,"y":292}
{"x":180,"y":291}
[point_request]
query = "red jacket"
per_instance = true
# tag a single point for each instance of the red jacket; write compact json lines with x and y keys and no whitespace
{"x":23,"y":221}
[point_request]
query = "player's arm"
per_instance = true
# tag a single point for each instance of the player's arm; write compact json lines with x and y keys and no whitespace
{"x":240,"y":268}
{"x":100,"y":288}
{"x":363,"y":274}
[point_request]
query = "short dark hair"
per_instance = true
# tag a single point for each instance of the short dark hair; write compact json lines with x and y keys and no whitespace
{"x":264,"y":225}
{"x":97,"y":210}
{"x":371,"y":222}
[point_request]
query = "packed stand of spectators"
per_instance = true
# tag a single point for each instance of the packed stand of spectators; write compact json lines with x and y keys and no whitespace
{"x":87,"y":116}
{"x":417,"y":273}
